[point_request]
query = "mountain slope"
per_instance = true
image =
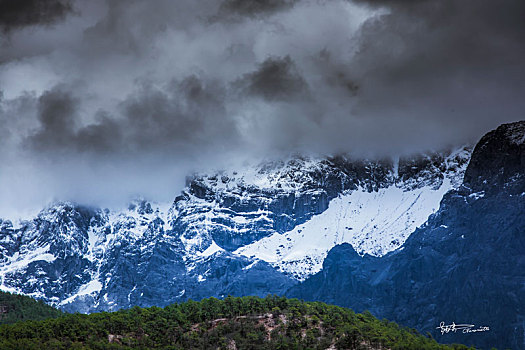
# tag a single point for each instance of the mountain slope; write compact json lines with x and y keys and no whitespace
{"x":234,"y":232}
{"x":232,"y":323}
{"x":465,"y":265}
{"x":372,"y":222}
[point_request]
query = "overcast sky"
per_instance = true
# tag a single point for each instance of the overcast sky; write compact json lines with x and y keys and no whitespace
{"x":103,"y":100}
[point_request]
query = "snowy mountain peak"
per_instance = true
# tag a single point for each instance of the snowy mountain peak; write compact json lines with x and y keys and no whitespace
{"x":277,"y":219}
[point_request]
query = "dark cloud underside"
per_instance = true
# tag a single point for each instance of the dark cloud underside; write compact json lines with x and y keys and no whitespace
{"x":275,"y":79}
{"x":20,"y":13}
{"x":254,"y":7}
{"x":181,"y":116}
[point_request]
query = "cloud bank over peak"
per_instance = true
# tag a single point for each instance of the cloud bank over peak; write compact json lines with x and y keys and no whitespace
{"x":105,"y":99}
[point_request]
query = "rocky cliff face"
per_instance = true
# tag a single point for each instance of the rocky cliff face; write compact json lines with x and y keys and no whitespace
{"x":465,"y":265}
{"x":88,"y":259}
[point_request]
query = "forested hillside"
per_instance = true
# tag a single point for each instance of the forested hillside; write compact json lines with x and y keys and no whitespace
{"x":232,"y":323}
{"x":14,"y":308}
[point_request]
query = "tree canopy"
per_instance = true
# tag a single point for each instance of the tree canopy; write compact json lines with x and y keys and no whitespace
{"x":232,"y":323}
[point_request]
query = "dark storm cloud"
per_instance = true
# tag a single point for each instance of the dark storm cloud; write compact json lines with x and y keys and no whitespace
{"x":252,"y":8}
{"x":276,"y":79}
{"x":56,"y":114}
{"x":437,"y":35}
{"x":189,"y":114}
{"x":20,"y":13}
{"x":455,"y":66}
{"x":128,"y":95}
{"x":178,"y":118}
{"x":58,"y":134}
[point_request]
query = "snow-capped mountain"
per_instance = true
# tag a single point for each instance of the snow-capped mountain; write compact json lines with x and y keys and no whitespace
{"x":255,"y":230}
{"x":407,"y":238}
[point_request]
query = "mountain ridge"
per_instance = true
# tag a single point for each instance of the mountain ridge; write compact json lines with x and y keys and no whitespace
{"x":88,"y":259}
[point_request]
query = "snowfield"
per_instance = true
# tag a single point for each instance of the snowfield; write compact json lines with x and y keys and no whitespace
{"x":373,"y":223}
